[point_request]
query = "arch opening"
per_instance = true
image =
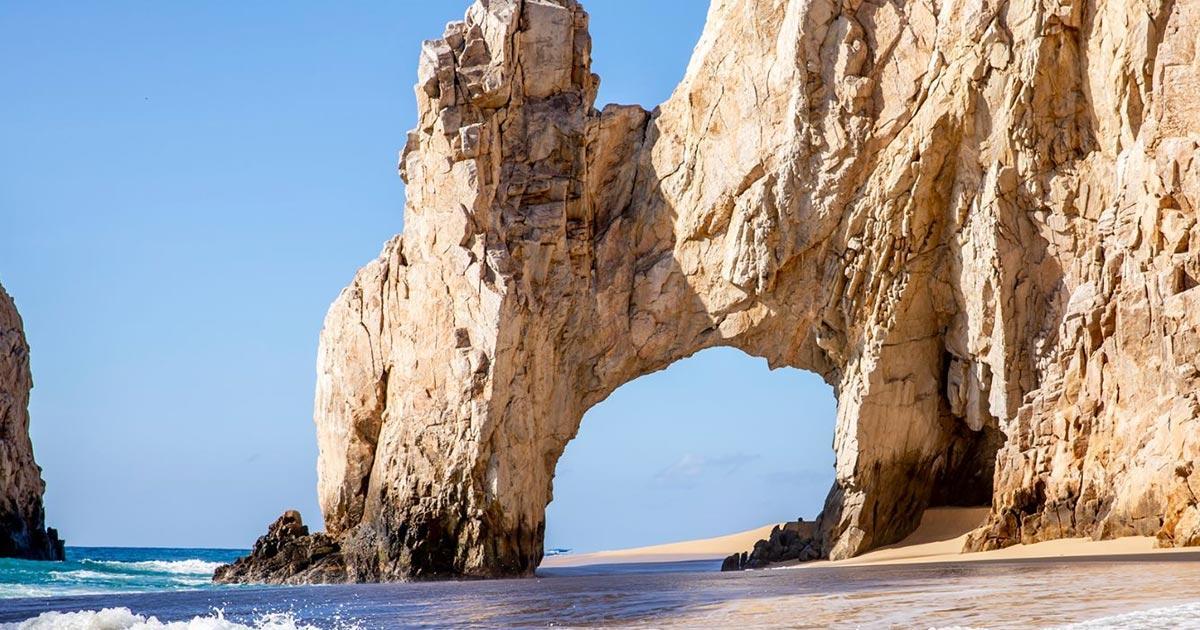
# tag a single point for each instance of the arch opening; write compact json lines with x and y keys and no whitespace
{"x":716,"y":443}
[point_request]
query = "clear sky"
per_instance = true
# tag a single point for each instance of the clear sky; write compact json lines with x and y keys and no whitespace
{"x":185,"y":187}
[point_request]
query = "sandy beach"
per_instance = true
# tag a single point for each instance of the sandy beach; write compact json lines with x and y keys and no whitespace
{"x":939,"y":538}
{"x":702,"y":549}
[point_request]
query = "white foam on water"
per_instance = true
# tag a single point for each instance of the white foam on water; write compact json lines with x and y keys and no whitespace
{"x":192,"y":581}
{"x":81,"y":575}
{"x":1182,"y":616}
{"x":193,"y":566}
{"x":9,"y":591}
{"x":91,"y":576}
{"x":125,"y":619}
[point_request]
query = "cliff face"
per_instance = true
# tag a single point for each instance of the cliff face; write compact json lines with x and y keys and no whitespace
{"x":976,"y":220}
{"x":23,"y":532}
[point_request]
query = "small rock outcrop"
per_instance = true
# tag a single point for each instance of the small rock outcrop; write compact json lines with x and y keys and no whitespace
{"x":798,"y":541}
{"x":23,"y":532}
{"x":976,"y":220}
{"x":287,"y":554}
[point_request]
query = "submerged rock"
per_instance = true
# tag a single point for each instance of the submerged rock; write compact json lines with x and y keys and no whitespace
{"x":287,"y":554}
{"x":976,"y":221}
{"x":23,"y":531}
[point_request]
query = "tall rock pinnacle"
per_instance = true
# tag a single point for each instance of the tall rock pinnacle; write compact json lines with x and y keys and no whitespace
{"x":23,"y":532}
{"x":976,"y":220}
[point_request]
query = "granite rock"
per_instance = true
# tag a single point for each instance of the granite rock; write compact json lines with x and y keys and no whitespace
{"x":23,"y":532}
{"x":975,"y":220}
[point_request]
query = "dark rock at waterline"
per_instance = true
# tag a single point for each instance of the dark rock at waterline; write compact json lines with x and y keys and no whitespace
{"x":20,"y":539}
{"x":287,"y":554}
{"x":792,"y":541}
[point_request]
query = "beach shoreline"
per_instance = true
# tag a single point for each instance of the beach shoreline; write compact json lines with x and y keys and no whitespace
{"x":938,"y":539}
{"x":715,"y":548}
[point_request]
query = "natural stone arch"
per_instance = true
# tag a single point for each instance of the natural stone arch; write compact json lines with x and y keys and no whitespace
{"x":941,"y":208}
{"x":577,"y":250}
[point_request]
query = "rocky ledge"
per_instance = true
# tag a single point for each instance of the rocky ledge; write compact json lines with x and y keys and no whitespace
{"x":23,"y":531}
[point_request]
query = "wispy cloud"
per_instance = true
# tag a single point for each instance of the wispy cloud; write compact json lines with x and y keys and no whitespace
{"x":691,"y":467}
{"x":802,"y":477}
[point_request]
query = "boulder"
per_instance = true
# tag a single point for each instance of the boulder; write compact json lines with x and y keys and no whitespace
{"x":797,"y":541}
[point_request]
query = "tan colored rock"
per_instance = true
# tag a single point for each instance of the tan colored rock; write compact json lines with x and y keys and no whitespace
{"x":976,"y":220}
{"x":23,"y":532}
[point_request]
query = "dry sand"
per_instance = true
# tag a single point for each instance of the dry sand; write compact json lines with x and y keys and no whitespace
{"x":704,"y":549}
{"x":943,"y":531}
{"x":939,"y":538}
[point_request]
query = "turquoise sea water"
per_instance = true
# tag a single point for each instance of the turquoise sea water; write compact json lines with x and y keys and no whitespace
{"x":169,"y":589}
{"x":101,"y":570}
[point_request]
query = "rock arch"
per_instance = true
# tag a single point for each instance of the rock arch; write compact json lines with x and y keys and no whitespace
{"x":573,"y":251}
{"x":920,"y":202}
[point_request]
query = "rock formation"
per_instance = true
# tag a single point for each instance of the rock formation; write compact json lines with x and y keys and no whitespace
{"x":23,"y":532}
{"x":975,"y":219}
{"x":797,"y":541}
{"x":288,"y":554}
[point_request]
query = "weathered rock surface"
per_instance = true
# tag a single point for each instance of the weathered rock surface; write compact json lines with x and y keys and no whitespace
{"x":976,"y":220}
{"x":23,"y":532}
{"x":287,"y":554}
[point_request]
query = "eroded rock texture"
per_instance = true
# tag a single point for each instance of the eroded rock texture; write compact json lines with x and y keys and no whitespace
{"x":975,"y":219}
{"x":23,"y":532}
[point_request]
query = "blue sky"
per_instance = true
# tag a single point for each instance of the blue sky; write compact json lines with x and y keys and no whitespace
{"x":184,"y":188}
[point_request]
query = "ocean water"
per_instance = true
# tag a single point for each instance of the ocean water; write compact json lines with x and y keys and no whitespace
{"x":1132,"y":593}
{"x":100,"y":570}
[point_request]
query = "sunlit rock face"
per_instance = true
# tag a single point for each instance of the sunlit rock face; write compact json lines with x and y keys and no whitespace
{"x":23,"y":532}
{"x":976,"y":220}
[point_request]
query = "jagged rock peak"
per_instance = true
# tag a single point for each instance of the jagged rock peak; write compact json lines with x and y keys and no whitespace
{"x":976,"y":220}
{"x":287,"y":554}
{"x":23,"y":532}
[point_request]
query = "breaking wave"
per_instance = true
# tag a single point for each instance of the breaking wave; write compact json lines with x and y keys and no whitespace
{"x":104,"y":570}
{"x":192,"y":566}
{"x":84,"y":575}
{"x":125,"y":619}
{"x":1182,"y":616}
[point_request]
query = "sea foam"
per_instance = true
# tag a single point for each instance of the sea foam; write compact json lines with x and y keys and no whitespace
{"x":1180,"y":617}
{"x":125,"y":619}
{"x":191,"y":567}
